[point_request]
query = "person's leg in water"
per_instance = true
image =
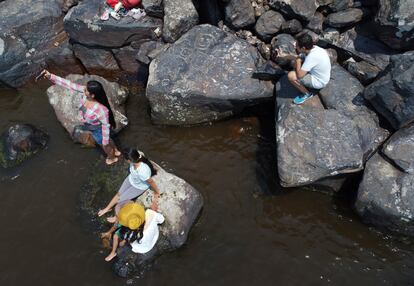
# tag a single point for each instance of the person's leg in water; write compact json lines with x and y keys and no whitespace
{"x":110,"y":154}
{"x":115,"y":243}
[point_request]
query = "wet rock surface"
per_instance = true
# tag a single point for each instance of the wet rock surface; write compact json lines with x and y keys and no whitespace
{"x":205,"y":76}
{"x":400,"y":149}
{"x":392,"y":94}
{"x":20,"y":142}
{"x":179,"y":203}
{"x":385,"y":197}
{"x":66,"y":105}
{"x":179,"y":17}
{"x":313,"y":143}
{"x":84,"y":26}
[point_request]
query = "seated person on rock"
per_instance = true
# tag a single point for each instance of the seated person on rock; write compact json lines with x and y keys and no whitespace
{"x":312,"y":69}
{"x":135,"y":184}
{"x":135,"y":226}
{"x":96,"y":112}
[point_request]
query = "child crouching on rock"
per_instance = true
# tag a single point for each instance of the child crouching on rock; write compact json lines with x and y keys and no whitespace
{"x":135,"y":226}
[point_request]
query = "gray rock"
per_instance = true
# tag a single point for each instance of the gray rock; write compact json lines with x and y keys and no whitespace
{"x":360,"y":47}
{"x":302,"y":9}
{"x":239,"y":14}
{"x":62,"y":60}
{"x":23,"y":43}
{"x":392,"y":94}
{"x":20,"y":142}
{"x":67,"y":4}
{"x":153,"y":8}
{"x":125,"y":57}
{"x":179,"y":17}
{"x":283,"y":50}
{"x":333,"y":55}
{"x":84,"y":26}
{"x":179,"y":203}
{"x":385,"y":197}
{"x":316,"y":22}
{"x":344,"y":93}
{"x":66,"y":103}
{"x":400,"y":149}
{"x":314,"y":143}
{"x":269,"y":71}
{"x":363,"y":71}
{"x":340,"y":5}
{"x":291,"y":27}
{"x":396,"y":23}
{"x":204,"y":76}
{"x":344,"y":18}
{"x":96,"y":61}
{"x":268,"y":25}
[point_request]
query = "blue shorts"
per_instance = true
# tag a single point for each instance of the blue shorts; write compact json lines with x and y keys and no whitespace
{"x":97,"y":135}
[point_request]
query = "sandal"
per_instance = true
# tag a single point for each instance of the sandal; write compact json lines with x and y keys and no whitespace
{"x":111,"y":161}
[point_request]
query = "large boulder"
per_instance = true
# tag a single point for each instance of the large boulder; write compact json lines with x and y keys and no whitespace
{"x":396,"y":23}
{"x":269,"y":24}
{"x":392,"y":94}
{"x":66,"y":105}
{"x":344,"y":18}
{"x":344,"y":93}
{"x":84,"y":26}
{"x":239,"y":14}
{"x":62,"y":60}
{"x":179,"y":203}
{"x":340,"y":5}
{"x":179,"y":17}
{"x":96,"y":61}
{"x":400,"y":149}
{"x":26,"y":34}
{"x":205,"y":76}
{"x":359,"y":47}
{"x":153,"y":8}
{"x":20,"y":142}
{"x":386,"y":197}
{"x":302,"y":9}
{"x":283,"y":50}
{"x":314,"y":143}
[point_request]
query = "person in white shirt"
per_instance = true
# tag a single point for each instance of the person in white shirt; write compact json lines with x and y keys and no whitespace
{"x":312,"y":69}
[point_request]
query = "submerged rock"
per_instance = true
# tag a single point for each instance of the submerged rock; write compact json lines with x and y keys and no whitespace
{"x":66,"y":105}
{"x":179,"y":17}
{"x":400,"y":149}
{"x":314,"y":143}
{"x":385,"y":197}
{"x":83,"y":24}
{"x":205,"y":76}
{"x":20,"y":142}
{"x":179,"y":203}
{"x":392,"y":94}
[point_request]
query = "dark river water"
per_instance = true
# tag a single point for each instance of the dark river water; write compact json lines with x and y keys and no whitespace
{"x":251,"y":232}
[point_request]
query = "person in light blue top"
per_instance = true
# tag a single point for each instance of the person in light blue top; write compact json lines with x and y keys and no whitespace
{"x":135,"y":184}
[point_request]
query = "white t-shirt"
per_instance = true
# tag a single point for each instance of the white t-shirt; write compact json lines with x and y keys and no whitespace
{"x":150,"y":233}
{"x":318,"y":65}
{"x":139,"y":176}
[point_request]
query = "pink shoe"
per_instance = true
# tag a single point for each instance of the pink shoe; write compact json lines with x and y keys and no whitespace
{"x":105,"y":15}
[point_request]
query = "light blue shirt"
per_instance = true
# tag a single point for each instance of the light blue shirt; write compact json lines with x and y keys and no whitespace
{"x":139,"y":176}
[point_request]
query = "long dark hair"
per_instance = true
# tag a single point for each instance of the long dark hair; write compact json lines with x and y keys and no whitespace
{"x":95,"y":87}
{"x":134,"y":156}
{"x":131,"y":235}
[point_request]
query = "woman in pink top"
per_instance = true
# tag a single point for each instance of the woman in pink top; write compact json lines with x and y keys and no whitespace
{"x":96,"y":112}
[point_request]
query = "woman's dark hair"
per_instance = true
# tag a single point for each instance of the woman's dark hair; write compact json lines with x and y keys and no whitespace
{"x":305,"y":41}
{"x":94,"y":87}
{"x":131,"y":235}
{"x":133,"y":155}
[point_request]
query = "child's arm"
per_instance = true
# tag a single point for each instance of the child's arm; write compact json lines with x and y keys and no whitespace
{"x":63,"y":82}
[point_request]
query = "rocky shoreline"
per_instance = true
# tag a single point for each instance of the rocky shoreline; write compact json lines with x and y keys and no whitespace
{"x":202,"y":63}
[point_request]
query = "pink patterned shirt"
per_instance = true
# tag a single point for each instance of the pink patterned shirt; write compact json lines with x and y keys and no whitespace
{"x":96,"y":115}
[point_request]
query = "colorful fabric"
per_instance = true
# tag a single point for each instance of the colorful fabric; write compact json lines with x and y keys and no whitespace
{"x":127,"y":4}
{"x":138,"y":177}
{"x":97,"y":115}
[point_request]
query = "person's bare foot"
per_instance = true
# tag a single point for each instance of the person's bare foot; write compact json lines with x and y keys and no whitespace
{"x":103,"y":211}
{"x":111,"y":161}
{"x":111,"y":219}
{"x":110,"y":256}
{"x":117,"y":153}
